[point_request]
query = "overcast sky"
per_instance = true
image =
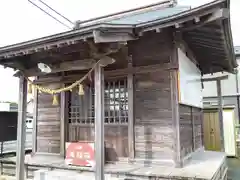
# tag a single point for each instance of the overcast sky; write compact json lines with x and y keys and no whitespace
{"x":21,"y":21}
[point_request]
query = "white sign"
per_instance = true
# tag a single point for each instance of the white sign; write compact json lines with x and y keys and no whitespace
{"x":4,"y":106}
{"x":190,"y":82}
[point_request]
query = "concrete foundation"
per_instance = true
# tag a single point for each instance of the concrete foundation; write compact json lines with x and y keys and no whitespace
{"x":205,"y":166}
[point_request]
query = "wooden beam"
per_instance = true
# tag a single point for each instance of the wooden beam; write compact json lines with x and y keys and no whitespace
{"x":99,"y":123}
{"x":101,"y":36}
{"x":111,"y":73}
{"x":222,"y":13}
{"x":35,"y":114}
{"x":67,"y":66}
{"x":217,"y":15}
{"x":21,"y":129}
{"x":223,"y":77}
{"x":131,"y":135}
{"x":61,"y":67}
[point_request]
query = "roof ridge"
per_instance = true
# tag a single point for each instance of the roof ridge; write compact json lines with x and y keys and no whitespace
{"x":118,"y":15}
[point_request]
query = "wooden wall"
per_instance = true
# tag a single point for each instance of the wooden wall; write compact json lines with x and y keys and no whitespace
{"x":198,"y":127}
{"x":48,"y":123}
{"x":186,"y":130}
{"x":153,"y":116}
{"x":153,"y":125}
{"x":152,"y":48}
{"x":190,"y":129}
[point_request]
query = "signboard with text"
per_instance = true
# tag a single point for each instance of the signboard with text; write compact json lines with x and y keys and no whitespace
{"x":80,"y":154}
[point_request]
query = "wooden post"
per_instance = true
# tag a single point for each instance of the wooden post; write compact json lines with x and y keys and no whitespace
{"x":62,"y":123}
{"x":220,"y":113}
{"x":176,"y":119}
{"x":35,"y":114}
{"x":193,"y":130}
{"x":99,"y":122}
{"x":130,"y":111}
{"x":175,"y":103}
{"x":21,"y":129}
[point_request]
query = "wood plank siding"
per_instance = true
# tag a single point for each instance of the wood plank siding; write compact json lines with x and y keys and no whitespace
{"x":190,"y":129}
{"x":153,"y":123}
{"x":198,"y":127}
{"x":152,"y":48}
{"x":48,"y":123}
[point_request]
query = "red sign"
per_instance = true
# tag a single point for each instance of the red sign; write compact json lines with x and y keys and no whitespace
{"x":80,"y":154}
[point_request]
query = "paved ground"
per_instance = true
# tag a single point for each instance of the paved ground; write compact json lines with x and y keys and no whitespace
{"x":233,"y":169}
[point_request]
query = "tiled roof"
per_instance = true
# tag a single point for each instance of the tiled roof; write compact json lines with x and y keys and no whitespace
{"x":210,"y":36}
{"x":150,"y":15}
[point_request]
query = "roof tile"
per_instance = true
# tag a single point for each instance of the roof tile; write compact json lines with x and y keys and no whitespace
{"x":150,"y":15}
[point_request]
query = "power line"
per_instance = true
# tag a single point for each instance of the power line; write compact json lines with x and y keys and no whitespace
{"x":49,"y":14}
{"x":56,"y":12}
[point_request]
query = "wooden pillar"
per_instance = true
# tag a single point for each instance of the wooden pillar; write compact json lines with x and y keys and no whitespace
{"x":175,"y":103}
{"x":176,"y":118}
{"x":99,"y":122}
{"x":21,"y":129}
{"x":220,"y":113}
{"x":62,"y":123}
{"x":130,"y":111}
{"x":35,"y":114}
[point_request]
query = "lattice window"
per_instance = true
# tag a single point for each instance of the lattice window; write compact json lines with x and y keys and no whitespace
{"x":116,"y":102}
{"x":81,"y":109}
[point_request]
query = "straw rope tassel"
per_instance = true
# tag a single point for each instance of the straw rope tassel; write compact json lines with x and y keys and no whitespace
{"x":54,"y":92}
{"x":55,"y":100}
{"x":80,"y":90}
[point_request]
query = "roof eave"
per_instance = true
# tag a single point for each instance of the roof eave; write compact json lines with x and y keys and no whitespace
{"x":69,"y":37}
{"x":86,"y":31}
{"x":180,"y":18}
{"x":228,"y":36}
{"x":227,"y":27}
